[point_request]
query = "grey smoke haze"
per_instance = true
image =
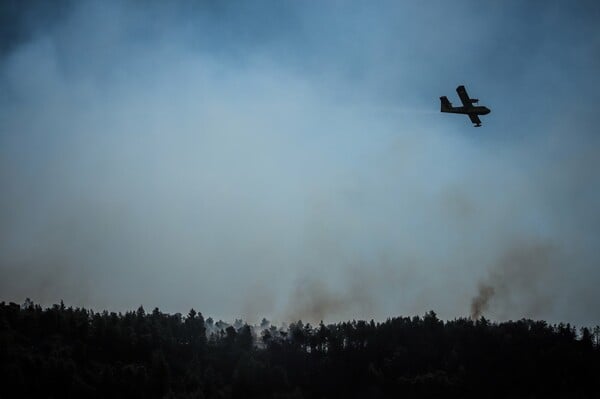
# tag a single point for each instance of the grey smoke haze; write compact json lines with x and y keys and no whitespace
{"x":289,"y":160}
{"x":519,"y":279}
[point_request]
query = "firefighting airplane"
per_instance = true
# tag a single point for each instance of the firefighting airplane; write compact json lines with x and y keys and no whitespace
{"x":468,"y":108}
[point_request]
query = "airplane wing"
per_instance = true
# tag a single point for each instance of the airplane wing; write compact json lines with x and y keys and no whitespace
{"x":464,"y":97}
{"x":475,"y":119}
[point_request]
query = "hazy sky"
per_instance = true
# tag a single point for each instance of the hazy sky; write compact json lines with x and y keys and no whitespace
{"x":289,"y":160}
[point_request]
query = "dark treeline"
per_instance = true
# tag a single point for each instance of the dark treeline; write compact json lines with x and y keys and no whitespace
{"x":63,"y":352}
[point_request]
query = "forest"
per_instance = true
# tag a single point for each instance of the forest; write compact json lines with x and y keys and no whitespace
{"x":67,"y":352}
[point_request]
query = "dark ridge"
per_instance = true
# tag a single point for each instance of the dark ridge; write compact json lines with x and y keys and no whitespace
{"x":63,"y":352}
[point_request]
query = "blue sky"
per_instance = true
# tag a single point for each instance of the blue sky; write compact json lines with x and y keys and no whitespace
{"x":289,"y":160}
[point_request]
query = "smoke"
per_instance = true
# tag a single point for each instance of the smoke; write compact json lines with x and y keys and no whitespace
{"x":289,"y":162}
{"x":517,"y":283}
{"x":313,"y":301}
{"x":481,"y":302}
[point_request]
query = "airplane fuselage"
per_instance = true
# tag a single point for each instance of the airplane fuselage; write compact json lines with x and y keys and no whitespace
{"x":478,"y":110}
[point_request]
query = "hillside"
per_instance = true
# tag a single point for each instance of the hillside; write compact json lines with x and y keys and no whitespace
{"x":72,"y":352}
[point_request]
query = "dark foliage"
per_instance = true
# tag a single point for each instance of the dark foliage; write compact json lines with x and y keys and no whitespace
{"x":63,"y":352}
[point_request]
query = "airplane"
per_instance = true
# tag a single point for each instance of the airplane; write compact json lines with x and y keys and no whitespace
{"x":467,"y":108}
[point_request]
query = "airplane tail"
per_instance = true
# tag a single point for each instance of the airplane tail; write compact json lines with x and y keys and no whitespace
{"x":446,"y":105}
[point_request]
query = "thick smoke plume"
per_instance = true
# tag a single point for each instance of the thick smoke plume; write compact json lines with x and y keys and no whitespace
{"x":480,"y":303}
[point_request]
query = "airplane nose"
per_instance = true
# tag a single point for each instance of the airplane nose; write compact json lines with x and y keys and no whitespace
{"x":487,"y":110}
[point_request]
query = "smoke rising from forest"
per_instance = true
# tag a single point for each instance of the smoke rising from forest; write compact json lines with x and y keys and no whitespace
{"x":296,"y":169}
{"x":480,"y":303}
{"x":518,"y":280}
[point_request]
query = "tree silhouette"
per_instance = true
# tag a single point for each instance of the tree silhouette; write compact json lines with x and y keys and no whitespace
{"x":72,"y":352}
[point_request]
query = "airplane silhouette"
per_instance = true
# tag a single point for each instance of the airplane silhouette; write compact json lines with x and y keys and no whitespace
{"x":467,"y":108}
